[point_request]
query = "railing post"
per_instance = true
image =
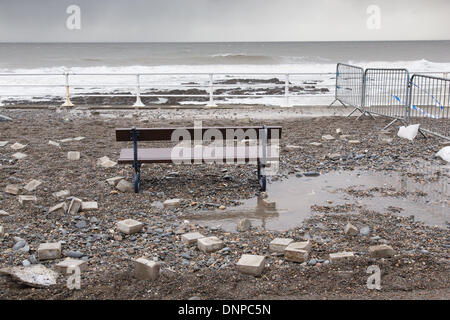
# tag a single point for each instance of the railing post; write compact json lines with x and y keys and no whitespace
{"x":67,"y":103}
{"x":286,"y":91}
{"x":138,"y":102}
{"x":211,"y":92}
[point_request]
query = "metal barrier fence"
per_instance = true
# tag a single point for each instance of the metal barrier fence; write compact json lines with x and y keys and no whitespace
{"x":349,"y":86}
{"x":386,"y":93}
{"x":430,"y":104}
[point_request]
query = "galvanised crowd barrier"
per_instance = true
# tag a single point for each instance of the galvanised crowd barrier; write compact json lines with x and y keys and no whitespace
{"x":386,"y":93}
{"x":349,"y":86}
{"x":430,"y":104}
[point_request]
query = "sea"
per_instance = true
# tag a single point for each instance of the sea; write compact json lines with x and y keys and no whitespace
{"x":105,"y":68}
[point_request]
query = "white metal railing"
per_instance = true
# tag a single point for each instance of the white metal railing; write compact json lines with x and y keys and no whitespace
{"x":211,"y":83}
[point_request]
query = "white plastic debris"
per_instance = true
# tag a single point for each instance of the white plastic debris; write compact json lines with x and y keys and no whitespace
{"x":409,"y":132}
{"x":444,"y":153}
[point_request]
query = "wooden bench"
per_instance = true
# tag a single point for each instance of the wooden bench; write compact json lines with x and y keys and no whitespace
{"x":242,"y":154}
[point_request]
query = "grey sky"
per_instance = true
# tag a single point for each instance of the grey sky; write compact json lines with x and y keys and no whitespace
{"x":223,"y":20}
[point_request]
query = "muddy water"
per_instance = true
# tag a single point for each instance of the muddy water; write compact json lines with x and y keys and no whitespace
{"x":426,"y":201}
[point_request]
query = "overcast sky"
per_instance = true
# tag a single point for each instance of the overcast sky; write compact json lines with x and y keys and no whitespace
{"x":223,"y":20}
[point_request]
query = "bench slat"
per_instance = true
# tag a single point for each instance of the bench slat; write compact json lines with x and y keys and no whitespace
{"x":165,"y":134}
{"x":164,"y":155}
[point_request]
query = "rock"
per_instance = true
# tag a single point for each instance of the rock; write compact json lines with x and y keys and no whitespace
{"x":269,"y":203}
{"x":209,"y":244}
{"x":114,"y":181}
{"x":251,"y":264}
{"x":351,"y":230}
{"x":73,"y":155}
{"x":146,"y":269}
{"x":74,"y":206}
{"x":3,"y":213}
{"x":81,"y":224}
{"x":125,"y":186}
{"x":222,"y":207}
{"x":33,"y":259}
{"x":33,"y":276}
{"x":2,"y":231}
{"x":12,"y":189}
{"x":292,"y":148}
{"x":334,"y":156}
{"x":364,"y":231}
{"x":3,"y":143}
{"x":191,"y":238}
{"x":49,"y":251}
{"x":61,"y":194}
{"x":328,"y":137}
{"x":32,"y":185}
{"x":129,"y":226}
{"x":71,"y":264}
{"x":26,"y":263}
{"x":4,"y":118}
{"x":53,"y":143}
{"x":105,"y":162}
{"x":297,"y":251}
{"x":194,"y":298}
{"x":19,"y":155}
{"x":60,"y":208}
{"x":312,"y":262}
{"x":73,"y":254}
{"x":23,"y":200}
{"x":311,"y":174}
{"x":17,"y":146}
{"x":89,"y":206}
{"x":381,"y":251}
{"x":172,"y":203}
{"x":20,"y":245}
{"x":315,"y":144}
{"x":444,"y":153}
{"x":244,"y":225}
{"x":338,"y":131}
{"x":334,"y":257}
{"x":279,"y":244}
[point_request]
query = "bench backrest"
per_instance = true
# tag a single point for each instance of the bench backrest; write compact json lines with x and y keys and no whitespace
{"x":165,"y":134}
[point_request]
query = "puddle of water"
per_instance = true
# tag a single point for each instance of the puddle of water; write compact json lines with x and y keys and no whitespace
{"x":428,"y":202}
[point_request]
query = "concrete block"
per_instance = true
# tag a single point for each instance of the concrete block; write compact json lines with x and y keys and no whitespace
{"x":2,"y":231}
{"x":64,"y":265}
{"x":114,"y":181}
{"x":172,"y":203}
{"x":296,"y":252}
{"x":302,"y":245}
{"x":328,"y":137}
{"x":105,"y":162}
{"x":251,"y":264}
{"x":12,"y":189}
{"x":209,"y":244}
{"x":3,"y":213}
{"x":269,"y":203}
{"x":49,"y":251}
{"x":125,"y":186}
{"x":60,"y":208}
{"x":61,"y":194}
{"x":17,"y":146}
{"x":351,"y":230}
{"x":89,"y":206}
{"x":74,"y":206}
{"x":32,"y":185}
{"x":19,"y":155}
{"x":381,"y":251}
{"x":279,"y":244}
{"x":23,"y":200}
{"x":146,"y":269}
{"x":73,"y":155}
{"x":129,"y":226}
{"x":191,"y":238}
{"x":339,"y":256}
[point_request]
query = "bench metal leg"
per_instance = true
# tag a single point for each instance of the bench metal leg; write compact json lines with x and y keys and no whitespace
{"x":136,"y":164}
{"x":262,"y":180}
